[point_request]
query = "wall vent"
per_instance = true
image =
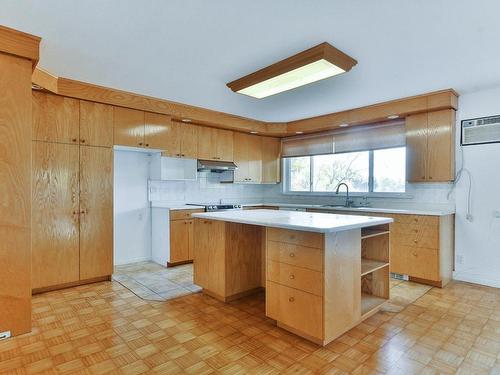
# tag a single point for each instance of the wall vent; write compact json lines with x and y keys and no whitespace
{"x":480,"y":131}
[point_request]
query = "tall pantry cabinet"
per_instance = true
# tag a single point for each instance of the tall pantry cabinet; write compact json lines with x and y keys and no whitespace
{"x":72,"y":191}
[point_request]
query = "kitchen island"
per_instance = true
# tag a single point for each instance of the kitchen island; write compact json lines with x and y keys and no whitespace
{"x":323,"y":273}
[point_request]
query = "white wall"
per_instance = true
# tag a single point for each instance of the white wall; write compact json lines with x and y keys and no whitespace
{"x":477,"y":244}
{"x":132,"y":216}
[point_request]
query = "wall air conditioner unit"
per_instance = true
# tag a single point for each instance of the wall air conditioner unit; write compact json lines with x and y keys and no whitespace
{"x":480,"y":130}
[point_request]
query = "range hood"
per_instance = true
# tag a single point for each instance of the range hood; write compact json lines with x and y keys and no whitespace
{"x":216,"y":166}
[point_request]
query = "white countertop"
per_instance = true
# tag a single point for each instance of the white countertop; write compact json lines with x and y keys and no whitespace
{"x":403,"y":211}
{"x":304,"y":221}
{"x":174,"y":206}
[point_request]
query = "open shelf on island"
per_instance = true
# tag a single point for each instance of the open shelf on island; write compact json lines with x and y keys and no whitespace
{"x":372,"y":232}
{"x":369,"y":265}
{"x":369,"y":302}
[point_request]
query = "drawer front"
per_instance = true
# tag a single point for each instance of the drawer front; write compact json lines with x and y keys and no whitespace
{"x":306,"y":257}
{"x":295,"y":277}
{"x":415,"y":240}
{"x":416,"y":219}
{"x":423,"y":229}
{"x":295,"y":237}
{"x":416,"y":262}
{"x":295,"y":308}
{"x":183,"y":214}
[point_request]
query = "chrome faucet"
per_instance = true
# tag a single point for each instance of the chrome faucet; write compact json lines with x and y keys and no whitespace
{"x":347,"y":201}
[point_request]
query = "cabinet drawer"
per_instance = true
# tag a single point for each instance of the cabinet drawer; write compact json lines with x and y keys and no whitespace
{"x":297,"y":309}
{"x":412,"y":228}
{"x":296,"y":277}
{"x":416,"y":219}
{"x":295,"y":237}
{"x":182,"y":214}
{"x":416,"y":262}
{"x":415,"y":240}
{"x":302,"y":256}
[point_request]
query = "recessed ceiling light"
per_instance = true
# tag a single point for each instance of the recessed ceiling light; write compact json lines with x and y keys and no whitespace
{"x":314,"y":64}
{"x":299,"y":132}
{"x":392,"y":117}
{"x":343,"y":125}
{"x":186,"y":120}
{"x":254,"y":132}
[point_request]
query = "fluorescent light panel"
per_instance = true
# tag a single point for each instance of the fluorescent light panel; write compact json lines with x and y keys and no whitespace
{"x":304,"y":75}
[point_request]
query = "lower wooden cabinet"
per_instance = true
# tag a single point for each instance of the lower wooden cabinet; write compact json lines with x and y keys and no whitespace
{"x":181,"y":236}
{"x":72,"y":208}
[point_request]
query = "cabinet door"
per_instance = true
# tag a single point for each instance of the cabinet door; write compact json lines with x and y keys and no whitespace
{"x":161,"y":133}
{"x":254,"y":159}
{"x":240,"y":157}
{"x":55,"y":118}
{"x":416,"y":147}
{"x":96,"y":212}
{"x":207,"y":143}
{"x":224,"y":145}
{"x":189,"y":141}
{"x":179,"y":241}
{"x":96,"y":124}
{"x":55,"y":213}
{"x":128,"y":127}
{"x":441,"y":146}
{"x":271,"y":149}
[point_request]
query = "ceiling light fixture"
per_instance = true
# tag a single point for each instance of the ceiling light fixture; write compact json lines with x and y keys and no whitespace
{"x":392,"y":117}
{"x":299,"y":132}
{"x":186,"y":120}
{"x":254,"y":132}
{"x":314,"y":64}
{"x":343,"y":125}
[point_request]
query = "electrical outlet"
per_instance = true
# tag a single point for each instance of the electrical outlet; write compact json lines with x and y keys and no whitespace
{"x":469,"y":217}
{"x":496,"y":214}
{"x":460,"y":259}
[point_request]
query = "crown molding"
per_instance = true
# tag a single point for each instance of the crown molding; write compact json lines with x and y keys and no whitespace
{"x":20,"y":44}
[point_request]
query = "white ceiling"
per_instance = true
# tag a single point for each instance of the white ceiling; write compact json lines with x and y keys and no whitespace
{"x":187,"y":50}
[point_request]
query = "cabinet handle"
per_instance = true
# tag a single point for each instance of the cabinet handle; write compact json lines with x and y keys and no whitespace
{"x":82,"y":140}
{"x":430,"y":177}
{"x":82,"y":211}
{"x":140,"y":143}
{"x":292,"y":277}
{"x":147,"y":144}
{"x":291,"y":299}
{"x":183,"y":155}
{"x":74,"y":140}
{"x":414,"y":254}
{"x":292,"y":255}
{"x":177,"y":154}
{"x":415,"y":241}
{"x":75,"y":212}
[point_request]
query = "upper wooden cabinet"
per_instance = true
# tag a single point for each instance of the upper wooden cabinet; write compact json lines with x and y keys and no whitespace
{"x":55,"y":118}
{"x":215,"y":144}
{"x":96,"y":124}
{"x":430,"y":146}
{"x":128,"y":127}
{"x":248,"y":158}
{"x":271,"y":150}
{"x":160,"y":133}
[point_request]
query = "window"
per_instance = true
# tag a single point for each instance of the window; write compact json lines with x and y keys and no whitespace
{"x":378,"y":171}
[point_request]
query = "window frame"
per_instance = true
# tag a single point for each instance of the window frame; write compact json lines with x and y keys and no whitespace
{"x":371,"y":182}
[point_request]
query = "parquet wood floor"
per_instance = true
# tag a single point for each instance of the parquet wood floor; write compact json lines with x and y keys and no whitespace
{"x":104,"y":328}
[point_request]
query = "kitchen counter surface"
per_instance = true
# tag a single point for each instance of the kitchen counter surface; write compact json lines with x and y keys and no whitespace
{"x":303,"y":221}
{"x":403,"y":211}
{"x":173,"y":206}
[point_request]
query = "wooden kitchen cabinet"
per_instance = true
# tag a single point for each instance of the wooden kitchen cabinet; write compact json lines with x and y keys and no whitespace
{"x":128,"y":127}
{"x":55,"y":118}
{"x":96,"y":124}
{"x":96,"y":212}
{"x":160,"y":132}
{"x":215,"y":144}
{"x":189,"y":140}
{"x":55,"y":214}
{"x":181,"y":236}
{"x":430,"y":146}
{"x":248,"y":158}
{"x":181,"y":241}
{"x":271,"y":150}
{"x":72,"y":199}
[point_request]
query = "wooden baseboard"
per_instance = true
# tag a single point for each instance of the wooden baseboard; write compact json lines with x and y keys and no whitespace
{"x":234,"y":296}
{"x":438,"y":284}
{"x":173,"y":264}
{"x":70,"y":285}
